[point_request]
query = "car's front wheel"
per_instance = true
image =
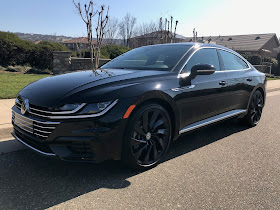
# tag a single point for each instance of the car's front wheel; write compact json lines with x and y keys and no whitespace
{"x":148,"y":137}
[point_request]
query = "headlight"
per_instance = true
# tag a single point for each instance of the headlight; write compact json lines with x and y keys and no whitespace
{"x":82,"y":110}
{"x":69,"y":107}
{"x":95,"y":108}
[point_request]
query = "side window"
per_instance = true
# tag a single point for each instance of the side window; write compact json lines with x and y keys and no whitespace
{"x":203,"y":56}
{"x":232,"y":62}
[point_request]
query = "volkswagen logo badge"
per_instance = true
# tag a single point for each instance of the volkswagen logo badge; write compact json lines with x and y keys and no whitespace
{"x":25,"y":106}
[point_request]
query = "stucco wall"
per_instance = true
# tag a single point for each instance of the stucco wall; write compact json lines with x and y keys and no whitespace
{"x":271,"y":45}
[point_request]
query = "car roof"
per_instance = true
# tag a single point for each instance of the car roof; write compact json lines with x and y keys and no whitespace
{"x":200,"y":45}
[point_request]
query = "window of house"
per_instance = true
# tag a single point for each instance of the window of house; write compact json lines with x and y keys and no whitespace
{"x":203,"y":56}
{"x":232,"y":62}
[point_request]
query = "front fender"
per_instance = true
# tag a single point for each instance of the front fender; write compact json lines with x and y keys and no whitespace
{"x":166,"y":101}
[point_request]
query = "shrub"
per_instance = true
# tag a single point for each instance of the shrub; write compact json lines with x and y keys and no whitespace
{"x":278,"y":58}
{"x":278,"y":66}
{"x":85,"y":53}
{"x":15,"y":51}
{"x":253,"y":59}
{"x":112,"y":51}
{"x":107,"y":51}
{"x":257,"y":60}
{"x":21,"y":69}
{"x":274,"y":65}
{"x":37,"y":71}
{"x":42,"y":56}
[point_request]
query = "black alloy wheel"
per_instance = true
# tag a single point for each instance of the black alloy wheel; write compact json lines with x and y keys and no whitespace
{"x":255,"y":109}
{"x":149,"y":136}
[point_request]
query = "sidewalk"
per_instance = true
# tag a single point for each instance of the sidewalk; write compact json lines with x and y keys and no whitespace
{"x":6,"y":118}
{"x":7,"y":104}
{"x":273,"y":85}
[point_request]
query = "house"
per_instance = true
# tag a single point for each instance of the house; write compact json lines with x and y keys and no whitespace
{"x":156,"y":37}
{"x":37,"y":42}
{"x":251,"y":44}
{"x":77,"y":44}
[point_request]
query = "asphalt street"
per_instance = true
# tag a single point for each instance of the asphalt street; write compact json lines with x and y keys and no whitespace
{"x":223,"y":166}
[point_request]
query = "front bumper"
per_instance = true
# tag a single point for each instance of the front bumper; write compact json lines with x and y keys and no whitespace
{"x":89,"y":139}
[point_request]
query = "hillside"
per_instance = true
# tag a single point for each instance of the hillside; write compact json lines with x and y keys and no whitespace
{"x":38,"y":37}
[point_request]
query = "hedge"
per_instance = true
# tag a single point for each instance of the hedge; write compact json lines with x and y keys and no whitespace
{"x":110,"y":51}
{"x":256,"y":60}
{"x":15,"y":51}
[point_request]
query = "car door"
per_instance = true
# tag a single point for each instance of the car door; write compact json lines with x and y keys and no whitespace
{"x":203,"y":98}
{"x":238,"y":76}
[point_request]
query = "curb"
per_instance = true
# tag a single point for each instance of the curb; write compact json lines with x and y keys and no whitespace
{"x":272,"y":90}
{"x":6,"y":132}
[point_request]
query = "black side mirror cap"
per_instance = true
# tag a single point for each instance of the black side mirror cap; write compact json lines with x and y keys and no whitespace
{"x":199,"y":69}
{"x":202,"y":69}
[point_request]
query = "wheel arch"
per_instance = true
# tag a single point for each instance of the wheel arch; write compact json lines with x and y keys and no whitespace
{"x":261,"y":88}
{"x":167,"y":102}
{"x":263,"y":93}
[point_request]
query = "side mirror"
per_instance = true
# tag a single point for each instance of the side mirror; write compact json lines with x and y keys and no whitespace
{"x":202,"y":69}
{"x":199,"y":69}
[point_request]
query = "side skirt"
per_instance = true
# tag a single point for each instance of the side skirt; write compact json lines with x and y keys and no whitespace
{"x":211,"y":120}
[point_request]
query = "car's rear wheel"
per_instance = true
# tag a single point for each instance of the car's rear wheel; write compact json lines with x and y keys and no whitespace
{"x":147,"y":137}
{"x":255,"y":109}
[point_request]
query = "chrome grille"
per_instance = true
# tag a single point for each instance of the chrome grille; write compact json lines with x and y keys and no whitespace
{"x":46,"y":113}
{"x":41,"y":129}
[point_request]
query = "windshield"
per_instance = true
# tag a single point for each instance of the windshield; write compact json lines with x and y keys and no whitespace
{"x":157,"y":57}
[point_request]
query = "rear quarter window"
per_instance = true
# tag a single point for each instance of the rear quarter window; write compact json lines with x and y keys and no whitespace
{"x":232,"y":62}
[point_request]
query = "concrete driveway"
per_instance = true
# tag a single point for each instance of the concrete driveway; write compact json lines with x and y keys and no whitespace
{"x":224,"y":166}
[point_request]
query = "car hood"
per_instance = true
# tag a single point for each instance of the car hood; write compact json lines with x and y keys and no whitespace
{"x":50,"y":91}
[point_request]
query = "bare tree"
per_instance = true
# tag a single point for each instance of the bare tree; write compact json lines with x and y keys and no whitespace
{"x":126,"y":28}
{"x":79,"y":52}
{"x":165,"y":37}
{"x":87,"y":14}
{"x":161,"y":30}
{"x":122,"y":33}
{"x":148,"y":32}
{"x":176,"y":24}
{"x":111,"y":30}
{"x":168,"y":35}
{"x":146,"y":28}
{"x":101,"y":24}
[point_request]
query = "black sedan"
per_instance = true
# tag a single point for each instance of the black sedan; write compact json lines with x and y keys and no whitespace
{"x":137,"y":103}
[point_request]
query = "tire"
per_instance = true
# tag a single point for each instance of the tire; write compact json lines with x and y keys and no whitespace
{"x":255,"y":108}
{"x":147,"y":138}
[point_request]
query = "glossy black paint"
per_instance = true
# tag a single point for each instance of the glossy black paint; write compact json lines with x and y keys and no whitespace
{"x":210,"y":95}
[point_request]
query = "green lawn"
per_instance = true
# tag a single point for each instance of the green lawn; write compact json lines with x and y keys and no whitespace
{"x":12,"y":83}
{"x":269,"y":78}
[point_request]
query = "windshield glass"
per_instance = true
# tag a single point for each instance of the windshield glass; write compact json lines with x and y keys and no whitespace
{"x":157,"y":57}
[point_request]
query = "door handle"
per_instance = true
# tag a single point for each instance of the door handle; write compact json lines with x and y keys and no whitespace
{"x":249,"y":79}
{"x":223,"y":83}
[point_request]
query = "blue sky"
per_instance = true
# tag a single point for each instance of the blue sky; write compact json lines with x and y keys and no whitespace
{"x":215,"y":17}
